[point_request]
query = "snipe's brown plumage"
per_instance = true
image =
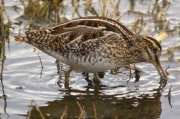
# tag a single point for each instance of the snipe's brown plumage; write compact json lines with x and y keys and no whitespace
{"x":95,"y":44}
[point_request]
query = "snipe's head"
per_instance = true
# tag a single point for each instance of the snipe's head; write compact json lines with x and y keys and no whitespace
{"x":152,"y":52}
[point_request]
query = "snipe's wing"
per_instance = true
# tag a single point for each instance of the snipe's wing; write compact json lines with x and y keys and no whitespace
{"x":72,"y":34}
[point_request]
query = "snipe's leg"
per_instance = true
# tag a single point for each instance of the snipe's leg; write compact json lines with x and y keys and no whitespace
{"x":67,"y":75}
{"x":86,"y":76}
{"x":96,"y":79}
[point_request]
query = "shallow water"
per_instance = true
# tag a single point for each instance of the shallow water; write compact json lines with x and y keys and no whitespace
{"x":119,"y":95}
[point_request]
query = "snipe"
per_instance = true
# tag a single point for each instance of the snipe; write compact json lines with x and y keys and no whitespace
{"x":95,"y":44}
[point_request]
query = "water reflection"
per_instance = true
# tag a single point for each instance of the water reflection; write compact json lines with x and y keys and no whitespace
{"x":106,"y":106}
{"x":138,"y":96}
{"x":125,"y":105}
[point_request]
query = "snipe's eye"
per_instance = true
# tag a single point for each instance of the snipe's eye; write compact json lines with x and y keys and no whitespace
{"x":154,"y":49}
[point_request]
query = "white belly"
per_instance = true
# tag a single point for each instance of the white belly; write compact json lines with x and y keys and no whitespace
{"x":89,"y":65}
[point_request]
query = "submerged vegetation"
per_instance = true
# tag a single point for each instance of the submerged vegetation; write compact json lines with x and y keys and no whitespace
{"x":46,"y":13}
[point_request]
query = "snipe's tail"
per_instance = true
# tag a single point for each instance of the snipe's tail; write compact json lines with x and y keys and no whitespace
{"x":21,"y":39}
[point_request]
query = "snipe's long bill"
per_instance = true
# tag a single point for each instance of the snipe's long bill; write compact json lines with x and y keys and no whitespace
{"x":95,"y":44}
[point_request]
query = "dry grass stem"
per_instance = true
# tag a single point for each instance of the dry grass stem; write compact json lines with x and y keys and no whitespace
{"x":37,"y":108}
{"x":162,"y":36}
{"x":83,"y":112}
{"x":135,"y":25}
{"x":169,"y":93}
{"x":64,"y":115}
{"x":74,"y":8}
{"x":104,"y":10}
{"x":137,"y":12}
{"x":95,"y":113}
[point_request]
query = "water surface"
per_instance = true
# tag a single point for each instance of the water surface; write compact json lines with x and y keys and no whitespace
{"x":119,"y":95}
